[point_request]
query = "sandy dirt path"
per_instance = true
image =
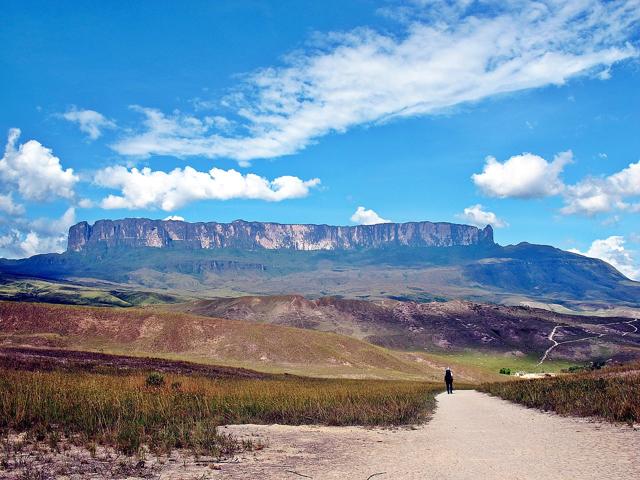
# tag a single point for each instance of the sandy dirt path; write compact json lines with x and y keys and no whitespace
{"x":471,"y":435}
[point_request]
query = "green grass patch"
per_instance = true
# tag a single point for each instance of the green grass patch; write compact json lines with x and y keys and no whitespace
{"x":494,"y":362}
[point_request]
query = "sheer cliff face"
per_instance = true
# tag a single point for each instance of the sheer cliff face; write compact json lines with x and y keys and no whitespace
{"x":141,"y":232}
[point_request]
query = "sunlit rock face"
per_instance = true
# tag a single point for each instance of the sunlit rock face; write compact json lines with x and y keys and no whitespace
{"x":142,"y":232}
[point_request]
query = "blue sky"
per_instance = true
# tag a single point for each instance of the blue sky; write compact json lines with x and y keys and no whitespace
{"x":520,"y":114}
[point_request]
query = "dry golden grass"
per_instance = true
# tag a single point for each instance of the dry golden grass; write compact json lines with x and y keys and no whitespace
{"x":150,"y":332}
{"x":183,"y":412}
{"x":611,"y":394}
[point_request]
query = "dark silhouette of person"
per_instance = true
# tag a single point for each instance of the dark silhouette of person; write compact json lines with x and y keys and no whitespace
{"x":448,"y":379}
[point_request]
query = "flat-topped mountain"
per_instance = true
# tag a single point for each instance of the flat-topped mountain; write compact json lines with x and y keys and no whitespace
{"x":419,"y":261}
{"x":143,"y":232}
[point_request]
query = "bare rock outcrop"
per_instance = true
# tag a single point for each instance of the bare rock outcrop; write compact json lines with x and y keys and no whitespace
{"x":142,"y":232}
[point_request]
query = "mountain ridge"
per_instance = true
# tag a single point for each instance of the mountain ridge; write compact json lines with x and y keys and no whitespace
{"x":144,"y":232}
{"x":376,"y":265}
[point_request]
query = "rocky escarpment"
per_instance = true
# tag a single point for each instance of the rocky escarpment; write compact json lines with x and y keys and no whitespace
{"x":142,"y":232}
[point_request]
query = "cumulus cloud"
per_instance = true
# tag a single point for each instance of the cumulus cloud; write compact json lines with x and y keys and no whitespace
{"x":54,"y":227}
{"x":364,"y":76}
{"x":89,"y":121}
{"x":522,"y":176}
{"x":35,"y":171}
{"x":34,"y":244}
{"x":531,"y":176}
{"x":595,"y":195}
{"x":363,"y":216}
{"x":478,"y":216}
{"x":25,"y":238}
{"x":168,"y":191}
{"x":8,"y":206}
{"x":176,"y":218}
{"x":613,"y":251}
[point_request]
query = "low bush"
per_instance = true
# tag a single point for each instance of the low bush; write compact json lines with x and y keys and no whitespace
{"x":155,"y":379}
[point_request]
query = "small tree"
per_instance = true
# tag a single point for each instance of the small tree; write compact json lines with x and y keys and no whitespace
{"x":505,"y":371}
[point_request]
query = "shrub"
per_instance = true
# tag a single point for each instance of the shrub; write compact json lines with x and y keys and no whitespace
{"x":505,"y":371}
{"x":155,"y":379}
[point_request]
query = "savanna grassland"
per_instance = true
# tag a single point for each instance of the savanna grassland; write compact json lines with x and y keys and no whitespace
{"x":612,"y":394}
{"x":164,"y":412}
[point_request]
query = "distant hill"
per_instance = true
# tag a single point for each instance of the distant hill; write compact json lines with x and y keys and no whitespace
{"x":445,"y":327}
{"x":179,"y":336}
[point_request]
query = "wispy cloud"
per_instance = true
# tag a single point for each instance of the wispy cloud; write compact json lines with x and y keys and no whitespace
{"x":364,"y":76}
{"x":89,"y":121}
{"x":9,"y":206}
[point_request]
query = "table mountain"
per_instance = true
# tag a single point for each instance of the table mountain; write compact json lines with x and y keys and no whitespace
{"x":143,"y":232}
{"x":420,"y":261}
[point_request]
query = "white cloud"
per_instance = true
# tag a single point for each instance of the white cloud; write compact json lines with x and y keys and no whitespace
{"x":8,"y":206}
{"x":35,"y":171}
{"x":362,"y":216}
{"x":34,"y":244}
{"x":531,"y":176}
{"x":595,"y":195}
{"x":168,"y":191}
{"x":364,"y":76}
{"x":8,"y":241}
{"x":522,"y":176}
{"x":24,"y":238}
{"x":54,"y":227}
{"x":90,"y":122}
{"x":85,"y":203}
{"x":476,"y":215}
{"x":612,"y":251}
{"x":176,"y":218}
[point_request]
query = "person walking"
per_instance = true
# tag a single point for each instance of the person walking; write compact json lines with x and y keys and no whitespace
{"x":448,"y":379}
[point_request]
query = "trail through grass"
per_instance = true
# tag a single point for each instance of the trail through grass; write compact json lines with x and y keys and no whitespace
{"x":126,"y":411}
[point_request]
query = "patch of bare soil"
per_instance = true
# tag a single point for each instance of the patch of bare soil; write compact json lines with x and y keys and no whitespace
{"x":471,"y":435}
